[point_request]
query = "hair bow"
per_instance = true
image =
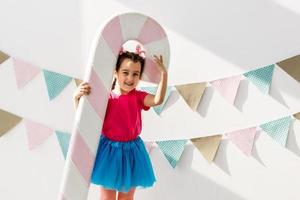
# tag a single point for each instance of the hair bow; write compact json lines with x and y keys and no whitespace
{"x":122,"y":50}
{"x":139,"y":51}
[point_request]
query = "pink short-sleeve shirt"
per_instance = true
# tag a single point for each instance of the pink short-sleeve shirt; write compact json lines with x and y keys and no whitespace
{"x":122,"y":120}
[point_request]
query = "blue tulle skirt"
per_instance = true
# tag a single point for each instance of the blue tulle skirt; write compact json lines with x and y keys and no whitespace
{"x":122,"y":165}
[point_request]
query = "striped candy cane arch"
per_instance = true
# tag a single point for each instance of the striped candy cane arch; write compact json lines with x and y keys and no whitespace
{"x":91,"y":109}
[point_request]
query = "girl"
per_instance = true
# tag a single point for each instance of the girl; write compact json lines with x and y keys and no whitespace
{"x":122,"y":162}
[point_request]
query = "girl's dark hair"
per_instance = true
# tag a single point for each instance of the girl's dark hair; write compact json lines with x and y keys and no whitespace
{"x":132,"y":56}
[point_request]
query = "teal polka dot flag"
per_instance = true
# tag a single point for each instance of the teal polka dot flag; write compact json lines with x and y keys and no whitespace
{"x":278,"y":129}
{"x":261,"y":77}
{"x":55,"y":83}
{"x":152,"y":90}
{"x":172,"y":149}
{"x":63,"y":139}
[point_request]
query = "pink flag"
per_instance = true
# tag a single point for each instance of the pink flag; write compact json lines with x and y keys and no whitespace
{"x":24,"y":72}
{"x":243,"y":139}
{"x":149,"y":146}
{"x":228,"y":87}
{"x":36,"y":133}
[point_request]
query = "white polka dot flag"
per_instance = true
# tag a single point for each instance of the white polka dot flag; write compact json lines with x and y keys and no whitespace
{"x":278,"y":129}
{"x":261,"y":77}
{"x":228,"y":87}
{"x":91,"y":109}
{"x":36,"y":133}
{"x":24,"y":72}
{"x":243,"y":139}
{"x":172,"y":149}
{"x":55,"y":83}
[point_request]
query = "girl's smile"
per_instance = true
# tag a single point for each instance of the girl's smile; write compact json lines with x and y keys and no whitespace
{"x":127,"y":76}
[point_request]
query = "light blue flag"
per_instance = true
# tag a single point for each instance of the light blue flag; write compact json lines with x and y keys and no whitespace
{"x":152,"y":90}
{"x":278,"y":129}
{"x":55,"y":82}
{"x":64,"y":140}
{"x":261,"y":77}
{"x":172,"y":149}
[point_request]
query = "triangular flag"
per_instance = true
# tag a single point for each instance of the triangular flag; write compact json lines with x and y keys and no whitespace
{"x":149,"y":146}
{"x":152,"y":90}
{"x":228,"y":87}
{"x":63,"y":139}
{"x":78,"y":81}
{"x":24,"y":72}
{"x":291,"y":66}
{"x":297,"y":115}
{"x":243,"y":139}
{"x":261,"y":77}
{"x":36,"y":133}
{"x":278,"y":129}
{"x":208,"y":146}
{"x":3,"y":57}
{"x":55,"y":82}
{"x":192,"y":93}
{"x":7,"y":121}
{"x":172,"y":149}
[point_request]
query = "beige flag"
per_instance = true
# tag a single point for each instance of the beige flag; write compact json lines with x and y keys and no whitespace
{"x":291,"y":66}
{"x":3,"y":57}
{"x":192,"y":93}
{"x":7,"y":121}
{"x":208,"y":146}
{"x":297,"y":115}
{"x":78,"y":81}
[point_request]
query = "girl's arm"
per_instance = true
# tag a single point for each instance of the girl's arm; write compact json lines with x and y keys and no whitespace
{"x":82,"y":89}
{"x":158,"y":98}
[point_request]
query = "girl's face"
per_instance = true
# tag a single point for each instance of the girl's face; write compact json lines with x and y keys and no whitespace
{"x":128,"y":75}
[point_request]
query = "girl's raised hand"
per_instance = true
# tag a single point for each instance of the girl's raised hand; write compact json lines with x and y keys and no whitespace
{"x":83,"y":89}
{"x":160,"y":64}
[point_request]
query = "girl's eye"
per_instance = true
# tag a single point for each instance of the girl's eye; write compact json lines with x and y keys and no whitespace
{"x":135,"y":74}
{"x":126,"y":73}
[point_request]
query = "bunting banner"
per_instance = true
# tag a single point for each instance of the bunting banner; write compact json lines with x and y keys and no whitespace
{"x":243,"y":139}
{"x":7,"y":121}
{"x":297,"y":115}
{"x":55,"y":83}
{"x":192,"y":93}
{"x":36,"y":133}
{"x":63,"y":139}
{"x":228,"y":87}
{"x":261,"y":77}
{"x":208,"y":146}
{"x":3,"y":57}
{"x":291,"y":66}
{"x":172,"y":149}
{"x":78,"y":81}
{"x":24,"y":72}
{"x":152,"y":90}
{"x":149,"y":146}
{"x":278,"y":129}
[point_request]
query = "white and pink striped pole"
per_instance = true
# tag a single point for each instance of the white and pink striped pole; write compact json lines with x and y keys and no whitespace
{"x":91,"y":109}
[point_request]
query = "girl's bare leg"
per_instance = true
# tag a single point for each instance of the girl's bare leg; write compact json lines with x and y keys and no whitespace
{"x":126,"y":196}
{"x":106,"y":194}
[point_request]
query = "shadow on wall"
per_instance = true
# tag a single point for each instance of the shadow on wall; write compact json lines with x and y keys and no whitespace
{"x":241,"y":32}
{"x":183,"y":182}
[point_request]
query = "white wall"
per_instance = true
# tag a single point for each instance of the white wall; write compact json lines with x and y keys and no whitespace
{"x":209,"y":40}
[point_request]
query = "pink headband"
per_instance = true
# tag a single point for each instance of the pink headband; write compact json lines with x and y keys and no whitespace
{"x":138,"y":50}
